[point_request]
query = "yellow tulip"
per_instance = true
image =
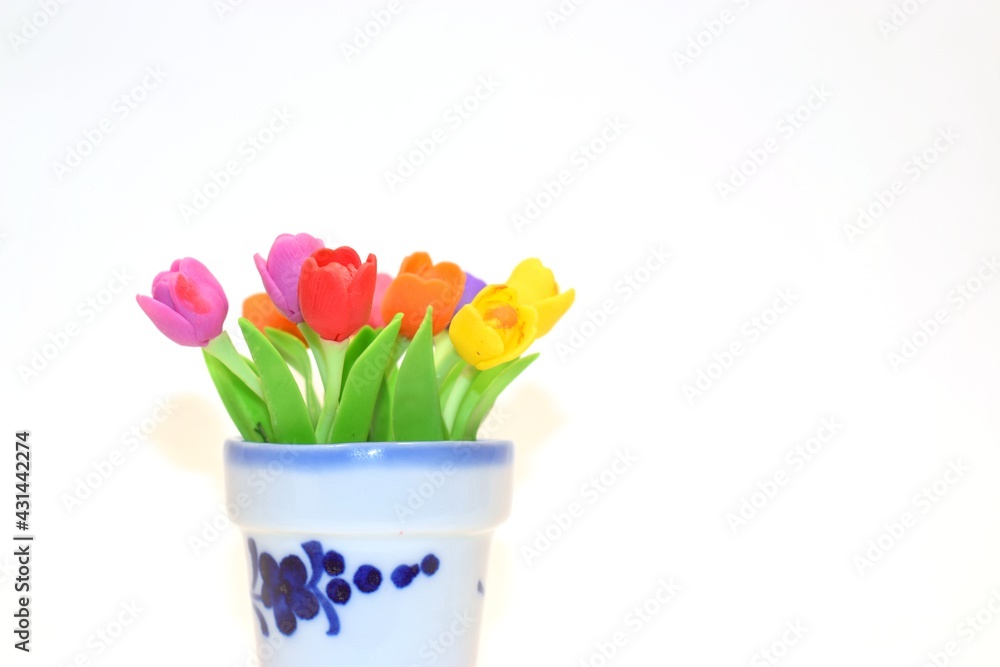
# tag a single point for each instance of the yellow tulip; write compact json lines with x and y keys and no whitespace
{"x":496,"y":327}
{"x":536,"y":287}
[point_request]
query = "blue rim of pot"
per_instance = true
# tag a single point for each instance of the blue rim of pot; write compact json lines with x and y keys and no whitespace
{"x":370,"y":454}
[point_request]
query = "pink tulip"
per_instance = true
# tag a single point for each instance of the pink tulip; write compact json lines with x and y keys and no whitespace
{"x":382,"y":282}
{"x":188,"y":305}
{"x":282,"y":269}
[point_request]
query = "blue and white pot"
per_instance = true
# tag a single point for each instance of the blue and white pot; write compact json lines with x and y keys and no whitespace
{"x":369,"y":554}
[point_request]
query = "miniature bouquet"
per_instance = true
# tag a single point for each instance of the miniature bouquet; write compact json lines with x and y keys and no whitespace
{"x":421,"y":356}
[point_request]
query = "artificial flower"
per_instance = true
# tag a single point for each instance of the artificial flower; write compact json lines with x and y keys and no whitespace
{"x":473,"y":286}
{"x":382,"y":282}
{"x":281,"y":271}
{"x":336,"y":291}
{"x":188,"y":305}
{"x":261,"y":311}
{"x":420,"y":284}
{"x":536,"y":287}
{"x":496,"y":327}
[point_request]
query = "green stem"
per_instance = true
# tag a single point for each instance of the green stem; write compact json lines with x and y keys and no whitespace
{"x":445,"y":355}
{"x":312,"y":400}
{"x":332,"y":354}
{"x":221,"y":347}
{"x":316,"y":345}
{"x":458,"y":392}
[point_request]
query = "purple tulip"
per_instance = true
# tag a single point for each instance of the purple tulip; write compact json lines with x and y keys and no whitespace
{"x":281,"y":271}
{"x":473,"y":286}
{"x":188,"y":305}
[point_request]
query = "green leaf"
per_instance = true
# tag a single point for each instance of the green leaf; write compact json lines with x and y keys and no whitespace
{"x":354,"y":418}
{"x":362,"y":339}
{"x":416,"y":410}
{"x":492,"y":392}
{"x":252,"y":366}
{"x":483,"y":394}
{"x":247,"y":410}
{"x":296,"y":354}
{"x":397,"y":354}
{"x":291,"y":349}
{"x":382,"y":418}
{"x":467,"y":392}
{"x":221,"y":347}
{"x":289,"y":415}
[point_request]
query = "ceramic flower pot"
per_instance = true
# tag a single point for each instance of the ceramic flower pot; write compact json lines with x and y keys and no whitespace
{"x":370,"y":554}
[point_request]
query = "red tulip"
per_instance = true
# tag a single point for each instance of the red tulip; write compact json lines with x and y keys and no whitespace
{"x":336,"y":291}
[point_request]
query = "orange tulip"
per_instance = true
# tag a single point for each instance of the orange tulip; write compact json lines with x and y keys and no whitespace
{"x":421,"y":283}
{"x":262,"y":312}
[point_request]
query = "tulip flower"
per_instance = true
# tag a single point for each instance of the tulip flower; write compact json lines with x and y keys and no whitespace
{"x":382,"y":282}
{"x":188,"y":305}
{"x":473,"y":286}
{"x":420,"y":284}
{"x":260,"y":310}
{"x":281,"y":271}
{"x":336,"y":291}
{"x":495,"y":328}
{"x":536,"y":286}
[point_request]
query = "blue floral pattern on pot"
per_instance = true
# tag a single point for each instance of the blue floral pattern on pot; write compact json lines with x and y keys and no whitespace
{"x":292,"y":590}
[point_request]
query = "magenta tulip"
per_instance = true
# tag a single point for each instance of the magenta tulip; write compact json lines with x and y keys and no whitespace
{"x":282,"y":269}
{"x":188,"y":305}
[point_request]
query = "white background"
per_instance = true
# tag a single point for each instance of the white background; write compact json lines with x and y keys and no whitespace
{"x":856,"y":295}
